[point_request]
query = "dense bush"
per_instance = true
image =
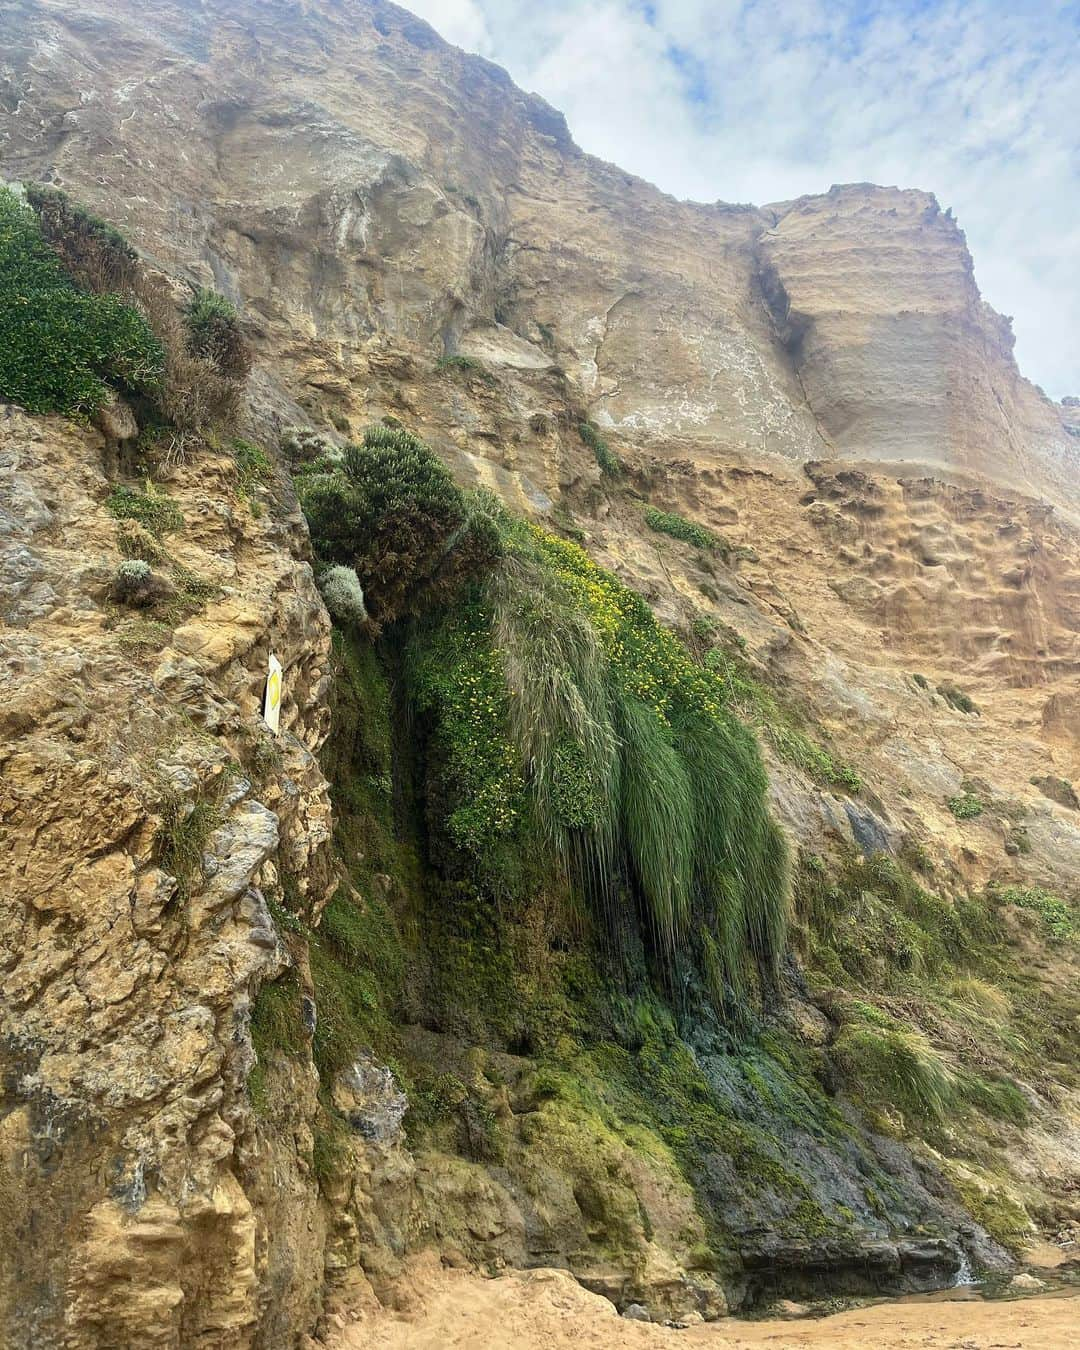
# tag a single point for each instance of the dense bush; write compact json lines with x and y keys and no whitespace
{"x":61,"y":347}
{"x":214,"y":335}
{"x":392,"y":512}
{"x":343,"y":595}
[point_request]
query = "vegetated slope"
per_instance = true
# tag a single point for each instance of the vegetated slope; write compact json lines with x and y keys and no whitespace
{"x":602,"y":1051}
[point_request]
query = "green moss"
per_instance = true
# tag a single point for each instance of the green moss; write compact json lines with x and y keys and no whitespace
{"x":154,"y":510}
{"x":276,"y":1029}
{"x":61,"y":347}
{"x":330,"y":1149}
{"x":1003,"y":1217}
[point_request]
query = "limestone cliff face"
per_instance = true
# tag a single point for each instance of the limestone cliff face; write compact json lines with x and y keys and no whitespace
{"x":818,"y":380}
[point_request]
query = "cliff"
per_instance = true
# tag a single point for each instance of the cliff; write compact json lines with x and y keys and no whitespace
{"x":890,"y":578}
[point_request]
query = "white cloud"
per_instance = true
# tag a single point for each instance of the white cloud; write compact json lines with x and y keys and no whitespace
{"x":763,"y":100}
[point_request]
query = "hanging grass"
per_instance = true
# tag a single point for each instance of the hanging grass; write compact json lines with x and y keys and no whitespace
{"x":566,"y":730}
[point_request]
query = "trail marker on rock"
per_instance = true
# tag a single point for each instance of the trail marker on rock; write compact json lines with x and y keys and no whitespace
{"x":272,"y":697}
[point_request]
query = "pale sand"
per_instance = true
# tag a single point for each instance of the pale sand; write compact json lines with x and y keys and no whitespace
{"x":548,"y":1310}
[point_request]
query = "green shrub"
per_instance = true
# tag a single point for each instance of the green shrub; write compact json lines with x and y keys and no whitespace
{"x":957,"y":699}
{"x":1057,"y":916}
{"x":213,"y":328}
{"x":61,"y":347}
{"x":606,"y":458}
{"x":467,"y":365}
{"x":666,"y":522}
{"x":94,"y":253}
{"x":253,"y":466}
{"x":966,"y":806}
{"x":393,"y":513}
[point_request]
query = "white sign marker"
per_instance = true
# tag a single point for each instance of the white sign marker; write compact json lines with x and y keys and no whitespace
{"x":272,"y":698}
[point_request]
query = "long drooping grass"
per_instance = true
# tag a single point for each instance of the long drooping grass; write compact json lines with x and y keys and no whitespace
{"x":568,"y":727}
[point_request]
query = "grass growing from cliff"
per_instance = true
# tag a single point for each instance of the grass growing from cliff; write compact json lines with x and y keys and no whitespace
{"x":563,"y":722}
{"x":62,"y":347}
{"x":777,"y":722}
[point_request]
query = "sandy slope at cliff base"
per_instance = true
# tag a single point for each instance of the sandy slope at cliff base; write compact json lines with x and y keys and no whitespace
{"x":546,"y":1309}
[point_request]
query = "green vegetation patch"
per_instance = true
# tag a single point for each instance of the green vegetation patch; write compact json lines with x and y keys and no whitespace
{"x":667,"y":522}
{"x":606,"y":458}
{"x":213,"y":333}
{"x":154,"y":510}
{"x":392,"y":512}
{"x":182,"y":836}
{"x":466,"y":365}
{"x":61,"y":347}
{"x":965,"y":806}
{"x":957,"y":699}
{"x":777,"y":722}
{"x":1058,"y":918}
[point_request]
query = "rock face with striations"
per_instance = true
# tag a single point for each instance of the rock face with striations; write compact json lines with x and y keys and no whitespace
{"x":819,"y":380}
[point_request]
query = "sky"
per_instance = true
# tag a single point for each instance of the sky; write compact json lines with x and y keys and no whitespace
{"x":760,"y":101}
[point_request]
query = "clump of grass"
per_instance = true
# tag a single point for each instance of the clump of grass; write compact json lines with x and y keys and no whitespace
{"x":253,"y":468}
{"x":155,"y":511}
{"x":185,"y":826}
{"x":139,"y":636}
{"x":62,"y":347}
{"x":467,"y":365}
{"x":957,"y":699}
{"x":667,"y":522}
{"x":896,"y":1067}
{"x":778,"y":724}
{"x":965,"y":806}
{"x":606,"y":458}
